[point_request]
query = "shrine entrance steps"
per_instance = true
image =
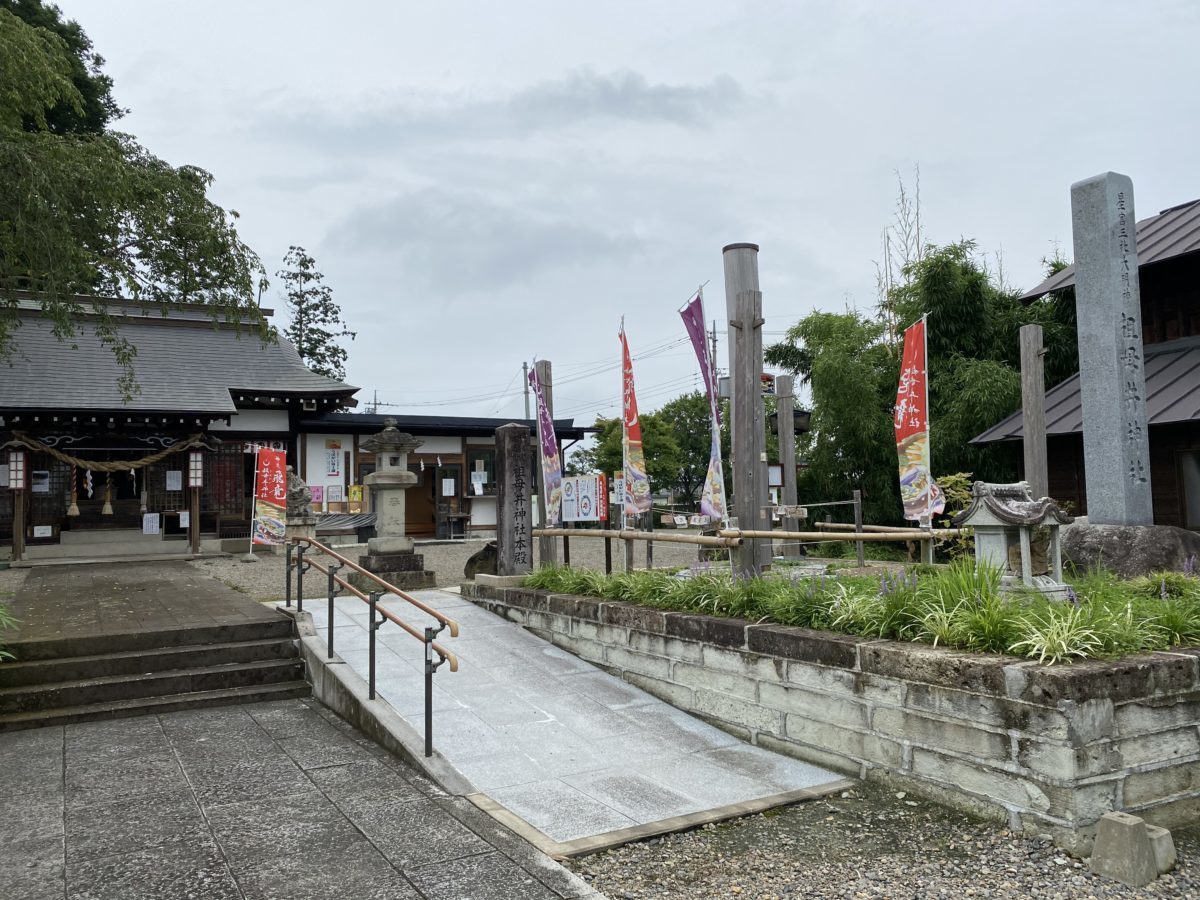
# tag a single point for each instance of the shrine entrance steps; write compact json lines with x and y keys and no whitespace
{"x":103,"y":543}
{"x":114,"y":640}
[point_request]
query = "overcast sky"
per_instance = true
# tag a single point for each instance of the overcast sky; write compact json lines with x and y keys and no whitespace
{"x":483,"y":183}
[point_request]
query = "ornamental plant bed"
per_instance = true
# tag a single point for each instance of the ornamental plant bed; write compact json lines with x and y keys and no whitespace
{"x":959,"y":607}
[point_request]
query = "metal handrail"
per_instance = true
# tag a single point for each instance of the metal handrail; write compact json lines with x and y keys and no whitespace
{"x":336,"y":584}
{"x":447,"y":655}
{"x":389,"y":588}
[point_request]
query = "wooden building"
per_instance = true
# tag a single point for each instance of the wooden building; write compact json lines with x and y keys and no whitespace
{"x":1169,"y":273}
{"x":216,"y":387}
{"x":457,"y":453}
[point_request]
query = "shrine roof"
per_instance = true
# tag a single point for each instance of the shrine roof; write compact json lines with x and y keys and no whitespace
{"x":1173,"y":232}
{"x":1172,"y":394}
{"x":469,"y":426}
{"x":182,"y":364}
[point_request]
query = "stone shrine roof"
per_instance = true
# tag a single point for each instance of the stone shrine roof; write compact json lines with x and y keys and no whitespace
{"x":1011,"y":504}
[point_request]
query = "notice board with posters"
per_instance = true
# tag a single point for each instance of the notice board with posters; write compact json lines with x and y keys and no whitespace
{"x":584,"y":498}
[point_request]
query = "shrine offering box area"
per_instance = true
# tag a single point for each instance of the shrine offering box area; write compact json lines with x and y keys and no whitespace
{"x":1048,"y":748}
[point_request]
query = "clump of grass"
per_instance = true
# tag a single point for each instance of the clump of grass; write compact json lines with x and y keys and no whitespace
{"x":1057,"y":634}
{"x":7,"y":620}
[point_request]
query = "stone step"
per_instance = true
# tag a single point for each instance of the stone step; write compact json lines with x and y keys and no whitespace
{"x":143,"y":706}
{"x":115,"y":688}
{"x":137,"y":662}
{"x":92,"y":536}
{"x":179,"y":636}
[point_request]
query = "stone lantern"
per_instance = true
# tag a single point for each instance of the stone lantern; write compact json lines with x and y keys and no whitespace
{"x":390,"y":553}
{"x":1017,"y":534}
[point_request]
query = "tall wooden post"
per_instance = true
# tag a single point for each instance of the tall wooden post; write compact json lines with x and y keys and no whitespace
{"x":18,"y":525}
{"x":1033,"y":409}
{"x":749,"y":435}
{"x":741,"y":274}
{"x":785,"y":400}
{"x":194,"y":521}
{"x":547,"y":547}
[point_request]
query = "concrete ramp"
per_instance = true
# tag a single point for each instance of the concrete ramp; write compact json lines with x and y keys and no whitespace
{"x":572,"y":758}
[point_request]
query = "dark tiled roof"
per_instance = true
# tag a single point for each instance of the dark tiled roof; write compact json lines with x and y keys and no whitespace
{"x":1173,"y":232}
{"x":181,"y":366}
{"x":469,"y":426}
{"x":1172,"y":394}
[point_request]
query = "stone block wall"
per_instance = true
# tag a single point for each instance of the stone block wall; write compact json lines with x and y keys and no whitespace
{"x":1050,"y":749}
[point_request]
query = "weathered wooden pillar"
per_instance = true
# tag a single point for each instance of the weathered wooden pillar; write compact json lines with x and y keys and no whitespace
{"x":1033,"y":410}
{"x":785,"y":400}
{"x":749,"y":436}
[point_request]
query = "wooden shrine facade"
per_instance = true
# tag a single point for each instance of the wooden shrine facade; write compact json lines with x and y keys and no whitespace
{"x":213,"y":388}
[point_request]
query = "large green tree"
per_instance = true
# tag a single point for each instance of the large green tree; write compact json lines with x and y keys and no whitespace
{"x":851,"y":362}
{"x":87,"y":211}
{"x":658,"y":443}
{"x":316,"y":319}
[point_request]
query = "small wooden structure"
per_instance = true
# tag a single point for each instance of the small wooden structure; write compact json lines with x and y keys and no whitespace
{"x":1008,"y":522}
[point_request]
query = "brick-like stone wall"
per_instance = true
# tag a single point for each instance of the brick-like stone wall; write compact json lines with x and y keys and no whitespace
{"x":1051,"y":748}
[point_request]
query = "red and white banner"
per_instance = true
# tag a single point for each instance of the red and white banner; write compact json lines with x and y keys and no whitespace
{"x":270,"y":497}
{"x":920,"y":495}
{"x":637,"y":481}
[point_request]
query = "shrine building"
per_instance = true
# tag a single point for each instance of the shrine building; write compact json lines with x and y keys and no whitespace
{"x":96,"y":463}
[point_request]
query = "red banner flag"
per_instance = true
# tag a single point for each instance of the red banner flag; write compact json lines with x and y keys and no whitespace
{"x":637,"y":481}
{"x":270,"y":496}
{"x":920,"y":495}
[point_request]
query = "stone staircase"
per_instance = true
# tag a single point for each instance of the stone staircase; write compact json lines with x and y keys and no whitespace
{"x":75,"y":679}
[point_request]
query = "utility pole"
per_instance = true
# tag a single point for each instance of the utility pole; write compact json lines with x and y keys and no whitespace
{"x":712,"y":336}
{"x":525,"y":381}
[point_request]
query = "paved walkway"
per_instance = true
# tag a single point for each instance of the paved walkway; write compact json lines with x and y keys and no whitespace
{"x":568,"y":748}
{"x":72,"y":602}
{"x":274,"y":800}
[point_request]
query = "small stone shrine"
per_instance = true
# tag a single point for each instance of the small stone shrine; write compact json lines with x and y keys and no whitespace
{"x":1018,"y":534}
{"x":390,"y":553}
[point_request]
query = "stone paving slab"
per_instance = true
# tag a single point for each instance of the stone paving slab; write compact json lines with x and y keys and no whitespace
{"x":273,"y":800}
{"x":125,"y":598}
{"x":558,"y":743}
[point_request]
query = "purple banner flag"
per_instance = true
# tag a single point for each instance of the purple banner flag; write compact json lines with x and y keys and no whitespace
{"x":551,"y":465}
{"x":712,"y":497}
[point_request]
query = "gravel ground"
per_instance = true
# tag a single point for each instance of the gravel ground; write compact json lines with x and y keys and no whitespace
{"x":870,"y":842}
{"x":10,"y":581}
{"x":264,"y":579}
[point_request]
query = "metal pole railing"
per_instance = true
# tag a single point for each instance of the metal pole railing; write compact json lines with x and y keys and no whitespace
{"x":372,"y":627}
{"x":288,"y":550}
{"x":859,"y":550}
{"x":430,"y":668}
{"x":301,"y":568}
{"x":333,"y":592}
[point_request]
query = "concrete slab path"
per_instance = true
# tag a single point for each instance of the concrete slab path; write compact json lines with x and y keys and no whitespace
{"x":583,"y":757}
{"x":275,"y":800}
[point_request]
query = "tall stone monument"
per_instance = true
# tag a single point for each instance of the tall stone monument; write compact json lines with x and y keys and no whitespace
{"x":514,"y":519}
{"x":390,"y":553}
{"x":1112,"y":380}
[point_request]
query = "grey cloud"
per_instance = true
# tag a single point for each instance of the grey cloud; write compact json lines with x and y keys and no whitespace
{"x":578,"y":98}
{"x":458,"y":241}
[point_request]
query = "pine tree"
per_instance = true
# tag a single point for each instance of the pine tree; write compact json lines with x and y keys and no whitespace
{"x":316,"y":319}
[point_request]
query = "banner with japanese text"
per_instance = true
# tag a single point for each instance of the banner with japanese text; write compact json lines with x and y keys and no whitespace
{"x":551,"y":464}
{"x":637,"y":482}
{"x":712,"y":496}
{"x":270,"y":497}
{"x":920,"y":494}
